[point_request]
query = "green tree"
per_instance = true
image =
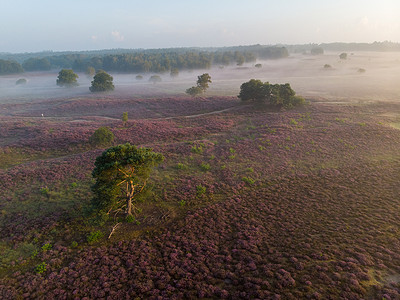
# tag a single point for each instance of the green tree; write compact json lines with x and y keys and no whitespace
{"x":203,"y":81}
{"x":155,"y":78}
{"x":125,"y":117}
{"x":67,"y":78}
{"x":102,"y":82}
{"x":194,"y":91}
{"x":343,"y":55}
{"x":102,"y":137}
{"x":121,"y":173}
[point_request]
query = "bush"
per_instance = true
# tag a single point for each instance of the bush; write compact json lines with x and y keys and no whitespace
{"x":102,"y":137}
{"x":248,"y":180}
{"x":200,"y":190}
{"x":94,"y":236}
{"x":41,"y":268}
{"x":205,"y":167}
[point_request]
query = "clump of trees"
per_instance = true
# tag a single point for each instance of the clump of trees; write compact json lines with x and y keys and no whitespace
{"x":202,"y":85}
{"x":102,"y":137}
{"x":121,"y":174}
{"x":102,"y":82}
{"x":67,"y":78}
{"x":281,"y":95}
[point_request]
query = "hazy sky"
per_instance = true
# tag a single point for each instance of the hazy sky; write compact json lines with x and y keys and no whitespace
{"x":28,"y":25}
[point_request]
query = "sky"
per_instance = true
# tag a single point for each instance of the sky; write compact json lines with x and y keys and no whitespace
{"x":41,"y":25}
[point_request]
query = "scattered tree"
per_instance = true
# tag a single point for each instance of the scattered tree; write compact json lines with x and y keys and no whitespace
{"x":258,"y":65}
{"x":155,"y":79}
{"x":125,"y":117}
{"x":21,"y":81}
{"x":67,"y":77}
{"x":343,"y":55}
{"x":139,"y":77}
{"x":102,"y":137}
{"x":121,"y":173}
{"x":203,"y":81}
{"x":327,"y":66}
{"x":102,"y":82}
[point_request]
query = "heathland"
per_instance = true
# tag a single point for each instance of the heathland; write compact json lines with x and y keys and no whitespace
{"x":250,"y":202}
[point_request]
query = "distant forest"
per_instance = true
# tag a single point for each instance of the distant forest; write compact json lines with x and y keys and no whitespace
{"x":165,"y":60}
{"x":156,"y":60}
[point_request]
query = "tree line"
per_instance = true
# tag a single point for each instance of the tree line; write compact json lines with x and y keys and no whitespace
{"x":148,"y":60}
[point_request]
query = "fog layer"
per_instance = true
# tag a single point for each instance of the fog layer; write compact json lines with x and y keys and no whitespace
{"x":362,"y":76}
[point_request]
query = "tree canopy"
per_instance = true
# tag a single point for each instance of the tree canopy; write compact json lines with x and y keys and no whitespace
{"x":121,"y":173}
{"x":102,"y":82}
{"x":274,"y":94}
{"x":203,"y":81}
{"x":10,"y":67}
{"x":67,"y":78}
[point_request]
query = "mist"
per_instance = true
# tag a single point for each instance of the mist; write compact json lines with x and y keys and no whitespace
{"x":362,"y":76}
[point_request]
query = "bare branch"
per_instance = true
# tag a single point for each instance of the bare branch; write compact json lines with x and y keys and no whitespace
{"x":113,"y":229}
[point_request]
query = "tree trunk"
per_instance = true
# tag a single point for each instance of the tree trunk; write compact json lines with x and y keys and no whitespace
{"x":129,"y":206}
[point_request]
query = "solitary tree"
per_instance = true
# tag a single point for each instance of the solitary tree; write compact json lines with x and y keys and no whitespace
{"x":121,"y":173}
{"x":343,"y":55}
{"x":203,"y":81}
{"x":67,"y":77}
{"x":102,"y":137}
{"x":102,"y":82}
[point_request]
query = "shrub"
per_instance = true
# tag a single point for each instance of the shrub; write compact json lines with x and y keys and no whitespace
{"x":41,"y":268}
{"x":94,"y":236}
{"x":139,"y":77}
{"x":46,"y":247}
{"x":197,"y":149}
{"x":205,"y":167}
{"x":200,"y":190}
{"x":248,"y":180}
{"x":102,"y":137}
